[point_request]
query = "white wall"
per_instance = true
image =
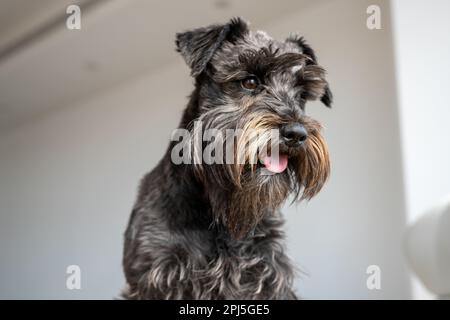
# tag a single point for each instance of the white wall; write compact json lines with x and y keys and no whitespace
{"x":68,"y":182}
{"x":68,"y":179}
{"x":421,"y":31}
{"x":423,"y":65}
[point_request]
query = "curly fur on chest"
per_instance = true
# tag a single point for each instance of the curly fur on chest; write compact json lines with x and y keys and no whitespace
{"x":181,"y":259}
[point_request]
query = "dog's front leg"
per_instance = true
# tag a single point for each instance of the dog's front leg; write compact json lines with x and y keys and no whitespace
{"x":166,"y":278}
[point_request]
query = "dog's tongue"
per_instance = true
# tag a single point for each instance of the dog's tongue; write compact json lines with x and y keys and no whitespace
{"x":276,"y":165}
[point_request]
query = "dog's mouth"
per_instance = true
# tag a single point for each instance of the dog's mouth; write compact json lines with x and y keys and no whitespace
{"x":275,"y":164}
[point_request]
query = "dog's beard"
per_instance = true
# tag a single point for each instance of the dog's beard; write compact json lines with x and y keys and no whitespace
{"x":242,"y":192}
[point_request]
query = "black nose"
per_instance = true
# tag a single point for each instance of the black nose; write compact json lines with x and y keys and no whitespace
{"x":293,"y":134}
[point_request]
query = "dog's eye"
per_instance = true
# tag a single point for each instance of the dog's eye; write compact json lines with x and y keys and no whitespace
{"x":250,"y":83}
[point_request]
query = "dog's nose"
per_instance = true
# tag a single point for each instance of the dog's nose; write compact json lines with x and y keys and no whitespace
{"x":293,"y":134}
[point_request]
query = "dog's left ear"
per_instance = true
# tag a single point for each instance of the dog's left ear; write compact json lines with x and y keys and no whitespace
{"x":327,"y":97}
{"x":199,"y":45}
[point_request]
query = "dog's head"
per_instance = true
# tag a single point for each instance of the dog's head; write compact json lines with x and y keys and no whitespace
{"x":248,"y":82}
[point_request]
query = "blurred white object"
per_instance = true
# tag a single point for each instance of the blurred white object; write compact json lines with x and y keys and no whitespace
{"x":428,"y":249}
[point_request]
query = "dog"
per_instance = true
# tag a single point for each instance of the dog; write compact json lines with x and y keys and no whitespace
{"x":213,"y":231}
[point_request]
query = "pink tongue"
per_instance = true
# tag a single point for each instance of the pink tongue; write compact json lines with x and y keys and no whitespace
{"x":275,"y":166}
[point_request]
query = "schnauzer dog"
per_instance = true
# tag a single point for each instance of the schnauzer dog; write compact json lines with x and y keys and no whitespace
{"x":212,"y":231}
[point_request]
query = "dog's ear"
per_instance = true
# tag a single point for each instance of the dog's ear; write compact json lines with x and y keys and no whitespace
{"x":327,"y":97}
{"x":199,"y":45}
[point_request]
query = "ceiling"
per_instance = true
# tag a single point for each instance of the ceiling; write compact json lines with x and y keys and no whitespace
{"x":44,"y":66}
{"x":22,"y":19}
{"x":18,"y":18}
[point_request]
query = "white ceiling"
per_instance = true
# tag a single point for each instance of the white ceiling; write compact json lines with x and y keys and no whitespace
{"x":119,"y":39}
{"x":22,"y":18}
{"x":19,"y":16}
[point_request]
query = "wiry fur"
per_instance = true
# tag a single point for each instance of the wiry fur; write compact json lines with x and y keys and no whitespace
{"x":212,"y":231}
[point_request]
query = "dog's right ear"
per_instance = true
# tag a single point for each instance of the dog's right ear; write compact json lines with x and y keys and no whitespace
{"x":199,"y":45}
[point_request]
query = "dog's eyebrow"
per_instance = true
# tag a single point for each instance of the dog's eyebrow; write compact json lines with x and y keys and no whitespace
{"x":289,"y":60}
{"x":262,"y":62}
{"x":235,"y":74}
